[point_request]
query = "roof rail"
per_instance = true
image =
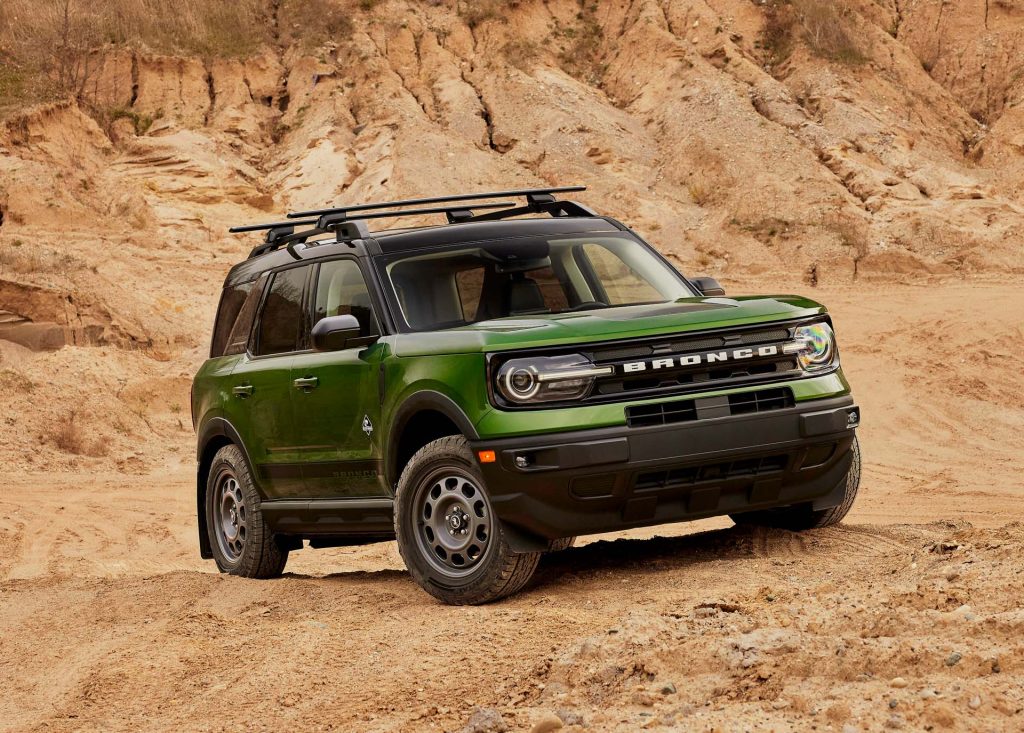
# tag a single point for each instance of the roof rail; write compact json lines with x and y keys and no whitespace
{"x":347,"y":223}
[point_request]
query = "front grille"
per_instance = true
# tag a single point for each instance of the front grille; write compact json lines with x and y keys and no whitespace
{"x":710,"y":473}
{"x":743,"y":403}
{"x":623,"y":384}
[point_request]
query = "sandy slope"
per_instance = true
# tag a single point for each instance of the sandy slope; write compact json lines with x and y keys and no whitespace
{"x":108,"y":619}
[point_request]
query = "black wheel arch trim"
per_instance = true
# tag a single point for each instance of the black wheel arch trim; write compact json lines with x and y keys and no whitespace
{"x":215,"y":427}
{"x":415,"y":403}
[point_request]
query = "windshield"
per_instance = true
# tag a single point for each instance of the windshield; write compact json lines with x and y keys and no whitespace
{"x":476,"y":282}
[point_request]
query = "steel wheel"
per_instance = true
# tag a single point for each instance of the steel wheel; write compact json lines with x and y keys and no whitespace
{"x":453,"y":523}
{"x":231,"y":517}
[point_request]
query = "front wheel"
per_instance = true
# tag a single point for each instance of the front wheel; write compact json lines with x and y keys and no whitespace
{"x":803,"y":516}
{"x":448,"y":536}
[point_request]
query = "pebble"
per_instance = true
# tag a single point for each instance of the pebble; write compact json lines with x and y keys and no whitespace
{"x":953,"y":659}
{"x":547,"y":723}
{"x":927,"y":694}
{"x":893,"y":704}
{"x":668,"y":689}
{"x":898,"y":682}
{"x":974,"y":703}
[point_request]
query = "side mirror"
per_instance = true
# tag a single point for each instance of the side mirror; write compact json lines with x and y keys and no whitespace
{"x":335,"y":332}
{"x":708,"y":286}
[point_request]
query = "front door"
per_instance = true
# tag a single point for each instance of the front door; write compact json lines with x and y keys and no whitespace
{"x":263,"y":393}
{"x":337,"y":401}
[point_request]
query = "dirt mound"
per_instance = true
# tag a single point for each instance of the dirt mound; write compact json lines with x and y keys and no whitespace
{"x":898,"y":626}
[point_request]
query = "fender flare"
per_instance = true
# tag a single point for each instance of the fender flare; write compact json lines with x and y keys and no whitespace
{"x":215,"y":427}
{"x":427,"y":399}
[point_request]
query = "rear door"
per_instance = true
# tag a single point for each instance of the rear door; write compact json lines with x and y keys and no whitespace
{"x":262,"y":392}
{"x":338,"y":408}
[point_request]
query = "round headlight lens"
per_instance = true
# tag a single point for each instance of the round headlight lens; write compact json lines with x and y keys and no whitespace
{"x":522,"y":382}
{"x":819,"y":346}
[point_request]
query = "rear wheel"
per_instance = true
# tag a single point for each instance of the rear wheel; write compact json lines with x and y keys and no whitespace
{"x":448,"y":536}
{"x":803,"y":516}
{"x":242,"y":544}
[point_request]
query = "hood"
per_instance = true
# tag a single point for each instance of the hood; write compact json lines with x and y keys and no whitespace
{"x":607,"y":324}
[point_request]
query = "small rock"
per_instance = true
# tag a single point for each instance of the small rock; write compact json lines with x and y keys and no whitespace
{"x":547,"y":723}
{"x":780,"y":704}
{"x":974,"y":703}
{"x":893,"y":704}
{"x":668,"y":689}
{"x":898,"y":682}
{"x":571,"y":717}
{"x":485,"y":720}
{"x":927,"y":694}
{"x":895,"y":722}
{"x":953,"y":659}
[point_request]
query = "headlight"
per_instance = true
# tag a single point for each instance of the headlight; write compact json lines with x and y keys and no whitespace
{"x":548,"y":378}
{"x":814,"y":347}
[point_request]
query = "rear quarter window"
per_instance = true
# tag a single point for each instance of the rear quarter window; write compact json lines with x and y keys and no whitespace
{"x":235,"y":314}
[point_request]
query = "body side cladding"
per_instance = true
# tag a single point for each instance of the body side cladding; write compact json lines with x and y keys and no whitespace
{"x":419,"y":402}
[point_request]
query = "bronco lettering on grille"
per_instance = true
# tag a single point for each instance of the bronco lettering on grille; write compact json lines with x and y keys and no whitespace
{"x":686,"y":360}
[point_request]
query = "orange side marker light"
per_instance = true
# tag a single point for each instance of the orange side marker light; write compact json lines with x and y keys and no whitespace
{"x":486,"y":456}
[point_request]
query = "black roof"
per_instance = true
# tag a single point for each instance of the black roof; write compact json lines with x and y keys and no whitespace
{"x":289,"y":241}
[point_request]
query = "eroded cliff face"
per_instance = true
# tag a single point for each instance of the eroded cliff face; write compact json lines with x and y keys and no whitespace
{"x":907,"y":161}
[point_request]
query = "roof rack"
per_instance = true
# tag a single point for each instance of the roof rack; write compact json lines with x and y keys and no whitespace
{"x":346,"y":226}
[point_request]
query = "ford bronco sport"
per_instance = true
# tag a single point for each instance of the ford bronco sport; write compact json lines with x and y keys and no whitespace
{"x":486,"y":390}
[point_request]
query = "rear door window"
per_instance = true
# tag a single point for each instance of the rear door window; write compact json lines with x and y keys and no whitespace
{"x":282,"y":319}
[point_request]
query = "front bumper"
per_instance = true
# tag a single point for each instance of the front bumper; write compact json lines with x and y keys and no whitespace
{"x":589,"y":481}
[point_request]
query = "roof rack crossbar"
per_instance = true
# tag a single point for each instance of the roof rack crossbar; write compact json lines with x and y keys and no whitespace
{"x":341,"y":216}
{"x":271,"y":225}
{"x":438,"y":199}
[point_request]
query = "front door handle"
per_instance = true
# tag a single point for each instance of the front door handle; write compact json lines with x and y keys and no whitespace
{"x":242,"y":390}
{"x":306,"y":383}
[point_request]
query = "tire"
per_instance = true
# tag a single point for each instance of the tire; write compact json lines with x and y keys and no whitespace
{"x":451,"y":541}
{"x":241,"y":541}
{"x":802,"y":516}
{"x":563,"y":543}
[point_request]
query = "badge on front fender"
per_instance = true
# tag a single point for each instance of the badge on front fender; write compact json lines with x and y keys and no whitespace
{"x":367,"y":425}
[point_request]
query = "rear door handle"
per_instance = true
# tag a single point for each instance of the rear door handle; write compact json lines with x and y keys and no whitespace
{"x":243,"y":390}
{"x":306,"y":383}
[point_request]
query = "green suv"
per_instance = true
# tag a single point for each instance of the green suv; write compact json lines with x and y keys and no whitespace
{"x":486,"y":390}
